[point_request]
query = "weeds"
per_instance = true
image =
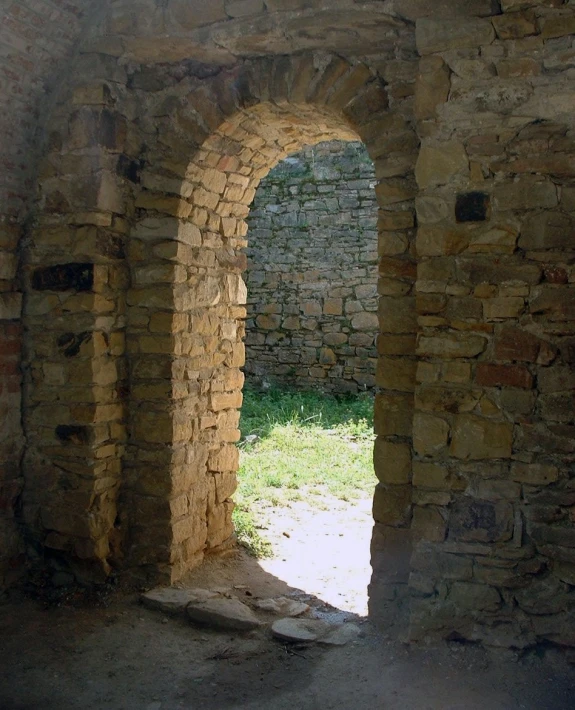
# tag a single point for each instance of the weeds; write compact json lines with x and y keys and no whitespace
{"x":300,"y":445}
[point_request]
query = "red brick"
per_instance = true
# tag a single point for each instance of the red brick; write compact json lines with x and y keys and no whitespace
{"x":515,"y":344}
{"x":491,"y":375}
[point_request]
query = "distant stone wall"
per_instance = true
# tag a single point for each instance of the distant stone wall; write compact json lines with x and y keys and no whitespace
{"x":312,"y":271}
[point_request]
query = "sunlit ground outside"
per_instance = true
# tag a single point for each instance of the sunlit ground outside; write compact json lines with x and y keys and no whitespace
{"x":306,"y":480}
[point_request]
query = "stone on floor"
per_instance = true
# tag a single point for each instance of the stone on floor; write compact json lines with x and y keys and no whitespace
{"x":223,"y":613}
{"x":282,"y":606}
{"x":299,"y":630}
{"x":174,"y":601}
{"x":340,"y":635}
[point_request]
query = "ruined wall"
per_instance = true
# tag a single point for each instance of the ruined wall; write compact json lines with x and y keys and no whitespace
{"x":33,"y":39}
{"x":131,"y":267}
{"x":494,"y":433}
{"x":312,"y":272}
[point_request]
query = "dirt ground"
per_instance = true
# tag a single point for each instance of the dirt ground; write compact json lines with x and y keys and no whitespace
{"x":117,"y":655}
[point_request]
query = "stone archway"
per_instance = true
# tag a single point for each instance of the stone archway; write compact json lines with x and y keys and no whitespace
{"x":146,"y":393}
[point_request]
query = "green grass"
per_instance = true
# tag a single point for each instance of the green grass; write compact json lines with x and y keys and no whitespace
{"x":296,"y":445}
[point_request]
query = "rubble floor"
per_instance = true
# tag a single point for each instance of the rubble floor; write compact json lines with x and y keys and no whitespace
{"x":63,"y":651}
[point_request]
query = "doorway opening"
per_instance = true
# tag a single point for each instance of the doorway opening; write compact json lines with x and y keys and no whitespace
{"x":306,"y":480}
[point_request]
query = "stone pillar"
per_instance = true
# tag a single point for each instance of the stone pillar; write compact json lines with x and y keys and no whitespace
{"x":74,"y":315}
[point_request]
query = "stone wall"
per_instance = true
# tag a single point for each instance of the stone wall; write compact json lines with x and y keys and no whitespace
{"x":492,"y":477}
{"x":312,"y":272}
{"x":131,"y":263}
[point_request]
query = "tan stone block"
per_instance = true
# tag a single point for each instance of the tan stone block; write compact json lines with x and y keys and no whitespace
{"x":534,"y":474}
{"x":477,"y":438}
{"x":396,"y":344}
{"x":226,"y":400}
{"x":525,"y":193}
{"x":10,"y":306}
{"x":397,"y":315}
{"x":431,"y":87}
{"x":514,"y":25}
{"x":391,"y":221}
{"x":392,"y":462}
{"x":451,"y":345}
{"x":392,"y":505}
{"x":428,"y":524}
{"x":430,"y":475}
{"x":433,"y":35}
{"x":393,"y":414}
{"x":446,"y":399}
{"x":159,"y":202}
{"x":268,"y":322}
{"x":396,"y":374}
{"x":393,"y":191}
{"x":441,"y":241}
{"x":428,"y":372}
{"x":391,"y":244}
{"x":520,"y":67}
{"x":439,"y":164}
{"x":558,"y":26}
{"x":457,"y":372}
{"x":226,"y":458}
{"x":188,"y":17}
{"x":152,"y":427}
{"x":333,"y":306}
{"x":500,"y":308}
{"x":430,"y":434}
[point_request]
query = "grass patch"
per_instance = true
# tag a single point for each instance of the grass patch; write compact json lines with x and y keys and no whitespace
{"x":296,"y":445}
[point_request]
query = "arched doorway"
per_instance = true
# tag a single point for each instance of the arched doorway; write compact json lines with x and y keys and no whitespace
{"x":151,"y":431}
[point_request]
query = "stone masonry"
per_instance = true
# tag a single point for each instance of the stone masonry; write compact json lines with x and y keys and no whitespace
{"x":135,"y":135}
{"x":312,"y":272}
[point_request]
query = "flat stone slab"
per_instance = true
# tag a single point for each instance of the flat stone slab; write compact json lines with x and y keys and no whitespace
{"x":282,"y":606}
{"x":171,"y":600}
{"x":340,"y":635}
{"x":299,"y":630}
{"x":222,"y":613}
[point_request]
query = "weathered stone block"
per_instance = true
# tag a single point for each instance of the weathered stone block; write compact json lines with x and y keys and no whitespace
{"x":430,"y":434}
{"x":428,"y":524}
{"x":451,"y":346}
{"x":393,"y":414}
{"x":526,"y":193}
{"x":439,"y":164}
{"x":474,"y":597}
{"x":397,"y":315}
{"x":503,"y":307}
{"x":480,"y":521}
{"x":430,"y":475}
{"x":477,"y":438}
{"x":490,"y":375}
{"x":555,"y":302}
{"x":547,"y":230}
{"x":433,"y":35}
{"x":396,"y":374}
{"x":431,"y":87}
{"x":392,"y":505}
{"x":512,"y":343}
{"x":514,"y":25}
{"x":441,"y":241}
{"x":390,"y":553}
{"x":446,"y":399}
{"x":534,"y":474}
{"x":392,"y":462}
